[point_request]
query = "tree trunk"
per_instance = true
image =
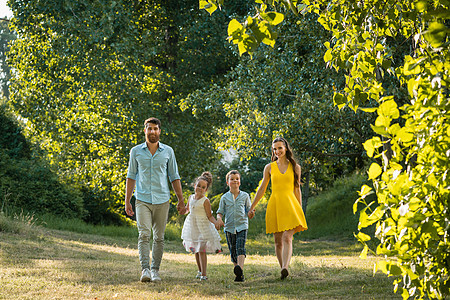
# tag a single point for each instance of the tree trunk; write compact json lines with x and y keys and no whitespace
{"x":305,"y":191}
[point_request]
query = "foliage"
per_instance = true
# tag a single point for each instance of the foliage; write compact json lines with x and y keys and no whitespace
{"x":329,"y":214}
{"x":250,"y":170}
{"x":412,"y":130}
{"x":285,"y":91}
{"x":87,"y":74}
{"x":27,"y":184}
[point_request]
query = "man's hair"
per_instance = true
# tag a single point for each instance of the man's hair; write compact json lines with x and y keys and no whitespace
{"x":232,"y":172}
{"x":153,"y":121}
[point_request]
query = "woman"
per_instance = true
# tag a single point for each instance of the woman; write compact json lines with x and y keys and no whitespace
{"x":284,"y":214}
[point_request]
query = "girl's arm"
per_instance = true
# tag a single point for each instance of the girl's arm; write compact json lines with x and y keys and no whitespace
{"x":207,"y":207}
{"x":262,"y":188}
{"x":187,"y":208}
{"x":297,"y":191}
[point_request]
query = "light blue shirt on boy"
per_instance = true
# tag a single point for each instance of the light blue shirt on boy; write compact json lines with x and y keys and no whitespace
{"x":152,"y":171}
{"x":235,"y":211}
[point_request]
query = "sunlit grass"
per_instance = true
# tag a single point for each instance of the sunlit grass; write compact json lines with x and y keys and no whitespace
{"x":55,"y":264}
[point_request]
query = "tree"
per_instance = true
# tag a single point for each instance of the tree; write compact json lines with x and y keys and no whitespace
{"x":411,"y":141}
{"x":285,"y":90}
{"x":6,"y":37}
{"x":88,"y":73}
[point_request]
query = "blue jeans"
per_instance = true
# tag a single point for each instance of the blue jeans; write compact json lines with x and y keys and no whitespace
{"x":236,"y":244}
{"x":151,"y":217}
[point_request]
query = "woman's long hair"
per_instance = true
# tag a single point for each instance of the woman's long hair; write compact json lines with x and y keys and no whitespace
{"x":289,"y":156}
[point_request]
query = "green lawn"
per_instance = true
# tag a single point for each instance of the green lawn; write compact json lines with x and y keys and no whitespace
{"x":39,"y":263}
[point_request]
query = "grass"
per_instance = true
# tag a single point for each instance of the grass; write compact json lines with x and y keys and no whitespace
{"x":42,"y":263}
{"x":330,"y":214}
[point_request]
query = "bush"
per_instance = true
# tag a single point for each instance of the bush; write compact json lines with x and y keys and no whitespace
{"x":27,"y":184}
{"x":330,"y":214}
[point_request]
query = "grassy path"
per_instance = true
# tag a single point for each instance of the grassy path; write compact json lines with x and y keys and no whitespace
{"x":49,"y":264}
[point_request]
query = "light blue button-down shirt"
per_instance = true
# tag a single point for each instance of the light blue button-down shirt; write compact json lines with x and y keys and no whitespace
{"x":152,"y":171}
{"x":235,"y":211}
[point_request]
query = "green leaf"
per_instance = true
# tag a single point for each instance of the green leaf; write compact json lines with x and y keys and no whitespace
{"x":413,"y":83}
{"x":234,"y":27}
{"x":274,"y":18}
{"x":362,"y":237}
{"x":363,"y":254}
{"x":381,"y":130}
{"x":389,"y":109}
{"x":339,"y":100}
{"x":374,"y":171}
{"x":404,"y":135}
{"x":371,"y":145}
{"x":368,"y":109}
{"x":328,"y":56}
{"x":436,"y":34}
{"x":208,"y":6}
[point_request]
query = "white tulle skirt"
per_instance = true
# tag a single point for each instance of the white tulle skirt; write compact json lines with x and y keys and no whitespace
{"x":200,"y":235}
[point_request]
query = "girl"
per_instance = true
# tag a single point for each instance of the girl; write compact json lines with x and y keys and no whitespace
{"x":199,"y":234}
{"x":284,"y":214}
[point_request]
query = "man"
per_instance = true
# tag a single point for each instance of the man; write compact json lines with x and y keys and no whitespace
{"x":151,"y":165}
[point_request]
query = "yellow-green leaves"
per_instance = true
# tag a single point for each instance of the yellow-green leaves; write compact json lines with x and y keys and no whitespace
{"x":371,"y":145}
{"x":234,"y":28}
{"x":273,"y":18}
{"x":436,"y":33}
{"x":374,"y":171}
{"x":209,"y":6}
{"x":389,"y":108}
{"x":254,"y":30}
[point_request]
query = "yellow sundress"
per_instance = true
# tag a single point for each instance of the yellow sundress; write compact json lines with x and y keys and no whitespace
{"x":284,"y":212}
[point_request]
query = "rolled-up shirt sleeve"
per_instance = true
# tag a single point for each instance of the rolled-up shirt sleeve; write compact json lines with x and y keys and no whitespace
{"x":132,"y":166}
{"x":172,"y":167}
{"x":221,"y":209}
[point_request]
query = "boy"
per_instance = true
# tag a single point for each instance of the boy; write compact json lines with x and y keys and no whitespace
{"x":234,"y":205}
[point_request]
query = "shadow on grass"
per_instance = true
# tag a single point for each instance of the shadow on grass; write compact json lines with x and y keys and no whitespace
{"x":104,"y":267}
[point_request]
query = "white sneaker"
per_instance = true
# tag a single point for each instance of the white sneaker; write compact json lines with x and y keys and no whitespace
{"x":145,"y":275}
{"x":155,"y":275}
{"x":203,"y":278}
{"x":199,"y":274}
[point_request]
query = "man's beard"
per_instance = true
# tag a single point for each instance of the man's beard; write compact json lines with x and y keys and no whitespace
{"x":153,"y":138}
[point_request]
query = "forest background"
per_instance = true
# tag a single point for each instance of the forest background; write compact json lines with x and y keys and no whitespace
{"x":79,"y":78}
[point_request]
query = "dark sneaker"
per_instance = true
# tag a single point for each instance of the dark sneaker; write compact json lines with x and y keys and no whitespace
{"x":239,"y":274}
{"x":238,"y":271}
{"x":284,"y":274}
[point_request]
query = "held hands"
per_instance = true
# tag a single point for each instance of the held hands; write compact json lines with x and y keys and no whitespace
{"x":251,"y":213}
{"x":219,"y":223}
{"x":181,"y":207}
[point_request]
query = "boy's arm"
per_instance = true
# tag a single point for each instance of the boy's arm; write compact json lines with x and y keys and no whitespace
{"x":219,"y":221}
{"x":248,"y":203}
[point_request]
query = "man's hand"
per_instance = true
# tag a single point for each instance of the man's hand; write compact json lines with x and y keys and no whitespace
{"x":129,"y":209}
{"x":181,"y":207}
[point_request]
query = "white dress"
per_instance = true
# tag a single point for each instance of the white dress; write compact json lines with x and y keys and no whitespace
{"x":199,"y":234}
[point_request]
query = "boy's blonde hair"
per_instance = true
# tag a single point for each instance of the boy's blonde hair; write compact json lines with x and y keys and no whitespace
{"x":232,"y":172}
